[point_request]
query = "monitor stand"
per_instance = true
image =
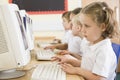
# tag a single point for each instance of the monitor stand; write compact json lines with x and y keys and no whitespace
{"x":12,"y":73}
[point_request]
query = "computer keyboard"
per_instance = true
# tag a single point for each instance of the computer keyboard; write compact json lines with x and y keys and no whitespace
{"x":48,"y":71}
{"x":44,"y":54}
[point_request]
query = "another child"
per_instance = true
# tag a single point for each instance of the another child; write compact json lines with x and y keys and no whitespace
{"x":68,"y":32}
{"x":67,"y":17}
{"x":67,"y":27}
{"x":75,"y":41}
{"x":98,"y":60}
{"x":67,"y":20}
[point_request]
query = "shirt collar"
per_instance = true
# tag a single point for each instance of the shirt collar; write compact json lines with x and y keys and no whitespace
{"x":101,"y":43}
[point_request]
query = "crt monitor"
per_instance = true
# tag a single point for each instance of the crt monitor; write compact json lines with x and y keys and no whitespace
{"x":27,"y":21}
{"x":14,"y":52}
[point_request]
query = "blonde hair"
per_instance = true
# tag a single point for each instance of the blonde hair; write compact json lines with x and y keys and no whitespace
{"x":101,"y":13}
{"x":75,"y":20}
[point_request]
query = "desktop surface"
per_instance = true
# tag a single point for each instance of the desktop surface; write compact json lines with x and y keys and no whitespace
{"x":32,"y":66}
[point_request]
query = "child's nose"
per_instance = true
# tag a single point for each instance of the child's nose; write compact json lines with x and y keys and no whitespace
{"x":83,"y":29}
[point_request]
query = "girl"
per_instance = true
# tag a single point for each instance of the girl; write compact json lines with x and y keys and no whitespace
{"x":68,"y":33}
{"x":66,"y":17}
{"x":98,"y":60}
{"x":67,"y":26}
{"x":75,"y":41}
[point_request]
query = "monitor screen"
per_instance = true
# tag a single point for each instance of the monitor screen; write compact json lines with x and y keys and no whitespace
{"x":29,"y":21}
{"x":24,"y":21}
{"x":14,"y":51}
{"x":27,"y":28}
{"x":22,"y":29}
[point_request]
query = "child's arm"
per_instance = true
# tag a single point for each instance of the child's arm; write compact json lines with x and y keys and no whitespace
{"x":76,"y":56}
{"x":61,"y":46}
{"x":63,"y":52}
{"x":56,"y":41}
{"x":58,"y":46}
{"x":67,"y":59}
{"x":88,"y":75}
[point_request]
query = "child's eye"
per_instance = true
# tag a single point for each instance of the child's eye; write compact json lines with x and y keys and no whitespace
{"x":87,"y":25}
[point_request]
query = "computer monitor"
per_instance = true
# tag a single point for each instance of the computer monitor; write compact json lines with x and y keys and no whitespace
{"x":14,"y":52}
{"x":27,"y":21}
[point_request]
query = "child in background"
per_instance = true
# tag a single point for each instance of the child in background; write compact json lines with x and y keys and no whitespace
{"x":68,"y":33}
{"x":67,"y":27}
{"x":67,"y":16}
{"x":75,"y":41}
{"x":98,"y":60}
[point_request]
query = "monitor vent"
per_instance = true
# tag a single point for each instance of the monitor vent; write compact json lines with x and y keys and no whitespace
{"x":3,"y":44}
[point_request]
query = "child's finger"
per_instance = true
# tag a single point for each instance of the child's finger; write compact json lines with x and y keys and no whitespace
{"x":55,"y":58}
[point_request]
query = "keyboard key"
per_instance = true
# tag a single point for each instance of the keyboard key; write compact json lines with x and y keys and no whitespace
{"x":44,"y":54}
{"x":48,"y":71}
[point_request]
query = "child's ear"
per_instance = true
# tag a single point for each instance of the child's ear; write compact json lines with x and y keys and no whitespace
{"x":79,"y":28}
{"x":103,"y":27}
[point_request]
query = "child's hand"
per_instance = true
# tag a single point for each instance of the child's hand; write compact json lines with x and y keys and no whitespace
{"x":63,"y":58}
{"x":57,"y":51}
{"x":57,"y":41}
{"x":50,"y":47}
{"x":68,"y":68}
{"x":56,"y":58}
{"x":60,"y":59}
{"x":63,"y":52}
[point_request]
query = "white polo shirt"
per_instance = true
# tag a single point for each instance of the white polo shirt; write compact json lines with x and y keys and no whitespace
{"x":67,"y":36}
{"x":74,"y":45}
{"x":100,"y":59}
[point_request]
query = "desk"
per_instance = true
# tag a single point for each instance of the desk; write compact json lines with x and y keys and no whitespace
{"x":31,"y":66}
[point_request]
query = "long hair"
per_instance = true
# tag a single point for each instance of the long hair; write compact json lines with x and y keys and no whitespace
{"x":101,"y":13}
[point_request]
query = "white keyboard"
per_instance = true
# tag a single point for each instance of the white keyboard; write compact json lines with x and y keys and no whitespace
{"x":44,"y":54}
{"x":48,"y":71}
